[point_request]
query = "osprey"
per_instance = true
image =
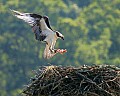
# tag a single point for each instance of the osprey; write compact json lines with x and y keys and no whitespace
{"x":43,"y":31}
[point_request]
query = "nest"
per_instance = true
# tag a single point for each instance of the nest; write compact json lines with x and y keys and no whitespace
{"x":70,"y":81}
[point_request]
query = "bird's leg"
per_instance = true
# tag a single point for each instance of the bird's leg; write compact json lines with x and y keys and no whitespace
{"x":51,"y":49}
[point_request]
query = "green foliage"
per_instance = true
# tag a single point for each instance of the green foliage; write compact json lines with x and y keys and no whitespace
{"x":91,"y":29}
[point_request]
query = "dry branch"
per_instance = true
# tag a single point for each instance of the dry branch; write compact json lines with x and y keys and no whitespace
{"x":70,"y":81}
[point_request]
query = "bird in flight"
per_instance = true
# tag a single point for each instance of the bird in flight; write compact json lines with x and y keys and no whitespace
{"x":43,"y":31}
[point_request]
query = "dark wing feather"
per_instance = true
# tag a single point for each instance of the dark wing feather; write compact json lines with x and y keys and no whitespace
{"x":38,"y":33}
{"x":35,"y":15}
{"x":48,"y":23}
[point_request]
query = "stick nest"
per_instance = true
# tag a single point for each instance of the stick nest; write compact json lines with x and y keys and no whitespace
{"x":70,"y":81}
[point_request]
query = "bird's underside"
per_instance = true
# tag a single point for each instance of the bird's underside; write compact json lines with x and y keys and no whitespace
{"x":42,"y":30}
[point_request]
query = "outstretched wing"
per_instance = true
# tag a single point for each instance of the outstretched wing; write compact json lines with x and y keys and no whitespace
{"x":31,"y":18}
{"x":34,"y":21}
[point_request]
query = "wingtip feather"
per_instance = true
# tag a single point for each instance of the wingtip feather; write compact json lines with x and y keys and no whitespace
{"x":16,"y":12}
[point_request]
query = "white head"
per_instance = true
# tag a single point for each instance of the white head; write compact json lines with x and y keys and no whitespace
{"x":59,"y":35}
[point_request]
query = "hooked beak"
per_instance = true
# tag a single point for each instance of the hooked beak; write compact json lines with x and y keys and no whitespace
{"x":62,"y":38}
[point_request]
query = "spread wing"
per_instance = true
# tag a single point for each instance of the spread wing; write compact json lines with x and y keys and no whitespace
{"x":33,"y":20}
{"x":30,"y":18}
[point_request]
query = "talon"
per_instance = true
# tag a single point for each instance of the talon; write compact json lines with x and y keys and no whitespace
{"x":61,"y":51}
{"x":58,"y":50}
